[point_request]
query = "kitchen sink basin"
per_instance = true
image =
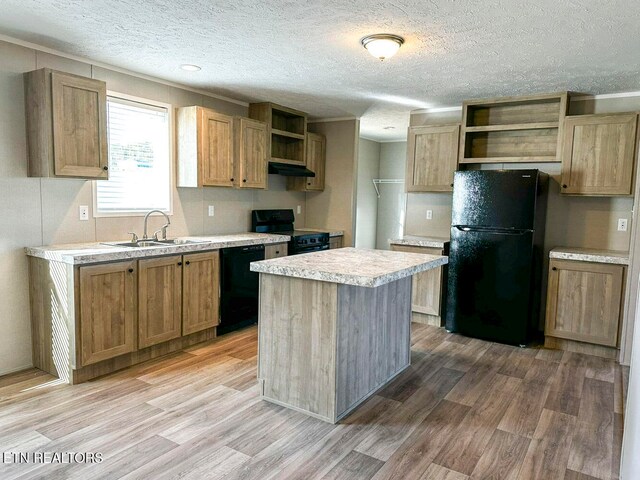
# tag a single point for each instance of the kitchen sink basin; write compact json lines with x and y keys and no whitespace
{"x":152,"y":243}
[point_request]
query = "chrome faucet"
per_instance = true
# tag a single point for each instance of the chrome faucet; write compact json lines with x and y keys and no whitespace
{"x":162,"y":229}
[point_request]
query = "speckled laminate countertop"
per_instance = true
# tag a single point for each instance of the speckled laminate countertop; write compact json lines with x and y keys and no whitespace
{"x":332,"y":233}
{"x":420,"y":241}
{"x":351,"y":266}
{"x":86,"y":253}
{"x":616,"y":257}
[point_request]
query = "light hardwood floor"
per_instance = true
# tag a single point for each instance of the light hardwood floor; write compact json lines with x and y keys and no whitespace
{"x":464,"y":409}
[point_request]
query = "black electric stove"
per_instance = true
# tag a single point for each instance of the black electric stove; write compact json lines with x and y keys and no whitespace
{"x":281,"y":222}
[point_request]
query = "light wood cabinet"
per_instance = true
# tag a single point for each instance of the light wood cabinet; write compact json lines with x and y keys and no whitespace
{"x":315,"y":160}
{"x":286,"y":129}
{"x":66,"y":118}
{"x":426,"y":290}
{"x":432,"y":158}
{"x":584,"y":301}
{"x":276,"y":251}
{"x":159,"y":300}
{"x":107,"y":307}
{"x":599,"y":154}
{"x":205,"y":148}
{"x":251,"y":151}
{"x":200,"y":291}
{"x":335,"y":242}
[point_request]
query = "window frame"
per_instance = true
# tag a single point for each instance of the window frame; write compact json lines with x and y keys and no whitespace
{"x":171,"y":138}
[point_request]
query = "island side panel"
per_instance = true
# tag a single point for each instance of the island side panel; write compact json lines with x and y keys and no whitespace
{"x":297,"y":335}
{"x":373,"y":339}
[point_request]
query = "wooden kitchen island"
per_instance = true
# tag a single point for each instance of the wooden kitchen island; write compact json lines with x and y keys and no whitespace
{"x":334,"y":326}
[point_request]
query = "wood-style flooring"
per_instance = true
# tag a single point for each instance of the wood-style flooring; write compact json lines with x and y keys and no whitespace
{"x":465,"y":409}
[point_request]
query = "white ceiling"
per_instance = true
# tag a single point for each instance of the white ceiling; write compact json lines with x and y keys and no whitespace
{"x":307,"y":54}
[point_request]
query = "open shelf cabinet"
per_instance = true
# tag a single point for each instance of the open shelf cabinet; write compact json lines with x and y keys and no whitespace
{"x":286,"y":131}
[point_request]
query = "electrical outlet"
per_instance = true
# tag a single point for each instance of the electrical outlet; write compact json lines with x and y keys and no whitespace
{"x":212,"y":210}
{"x":84,"y":212}
{"x":622,"y":224}
{"x":429,"y":214}
{"x":299,"y":210}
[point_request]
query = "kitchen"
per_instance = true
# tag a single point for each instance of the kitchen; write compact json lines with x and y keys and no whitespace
{"x":194,"y":407}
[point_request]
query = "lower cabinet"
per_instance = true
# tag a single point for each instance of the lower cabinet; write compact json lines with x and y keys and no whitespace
{"x":426,"y":291}
{"x":159,"y":300}
{"x":107,"y":311}
{"x":275,"y":251}
{"x":584,"y":301}
{"x":335,"y":242}
{"x":200,"y":292}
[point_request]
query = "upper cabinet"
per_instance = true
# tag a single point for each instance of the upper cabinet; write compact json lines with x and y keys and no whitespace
{"x":432,"y":158}
{"x":315,"y":161}
{"x":286,"y":131}
{"x":598,"y":154}
{"x":512,"y":129}
{"x":66,"y":119}
{"x":251,"y":152}
{"x":216,"y":150}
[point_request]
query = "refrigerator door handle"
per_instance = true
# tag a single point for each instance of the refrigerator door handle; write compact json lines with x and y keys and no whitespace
{"x":495,"y":231}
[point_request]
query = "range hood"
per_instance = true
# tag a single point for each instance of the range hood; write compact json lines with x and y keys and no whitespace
{"x":289,"y":170}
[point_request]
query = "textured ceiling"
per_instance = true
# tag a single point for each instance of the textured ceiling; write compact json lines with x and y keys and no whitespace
{"x":307,"y":54}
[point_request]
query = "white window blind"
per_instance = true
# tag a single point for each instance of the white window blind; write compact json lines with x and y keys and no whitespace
{"x":139,"y":168}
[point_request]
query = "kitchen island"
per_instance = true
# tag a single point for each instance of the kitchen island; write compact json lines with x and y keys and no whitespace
{"x":334,"y":326}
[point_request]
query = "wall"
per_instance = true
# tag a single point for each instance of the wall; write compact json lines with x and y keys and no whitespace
{"x":392,"y":201}
{"x":366,"y":199}
{"x":45,"y":211}
{"x":334,"y":208}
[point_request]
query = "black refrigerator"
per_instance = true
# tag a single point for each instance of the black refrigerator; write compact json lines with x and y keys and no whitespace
{"x":495,"y":254}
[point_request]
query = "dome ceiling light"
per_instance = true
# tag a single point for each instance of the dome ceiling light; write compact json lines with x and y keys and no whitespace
{"x":382,"y":45}
{"x":190,"y":67}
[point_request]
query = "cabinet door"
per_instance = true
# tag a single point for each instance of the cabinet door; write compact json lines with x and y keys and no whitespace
{"x":426,"y":286}
{"x":201,"y":292}
{"x":335,"y":242}
{"x":598,"y":154}
{"x":252,"y":154}
{"x":79,"y":115}
{"x":159,"y":300}
{"x":275,"y":251}
{"x":216,"y":152}
{"x":316,"y":159}
{"x":583,"y":301}
{"x":107,"y":311}
{"x":432,"y":157}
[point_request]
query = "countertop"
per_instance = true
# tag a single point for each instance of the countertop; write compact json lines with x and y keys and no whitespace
{"x":616,"y":257}
{"x":332,"y":233}
{"x":420,"y":241}
{"x":85,"y":253}
{"x":351,"y":266}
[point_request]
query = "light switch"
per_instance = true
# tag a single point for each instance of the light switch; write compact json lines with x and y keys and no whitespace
{"x":299,"y":210}
{"x":429,"y":214}
{"x":622,"y":224}
{"x":212,"y":210}
{"x":84,"y":212}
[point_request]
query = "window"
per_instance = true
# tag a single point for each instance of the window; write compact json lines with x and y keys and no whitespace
{"x":139,"y":159}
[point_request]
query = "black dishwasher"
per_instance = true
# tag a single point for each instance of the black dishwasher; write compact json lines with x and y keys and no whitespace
{"x":239,"y":287}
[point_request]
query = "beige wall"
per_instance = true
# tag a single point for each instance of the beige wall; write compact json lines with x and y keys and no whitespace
{"x":45,"y":211}
{"x":367,"y":200}
{"x":392,"y":201}
{"x":335,"y":207}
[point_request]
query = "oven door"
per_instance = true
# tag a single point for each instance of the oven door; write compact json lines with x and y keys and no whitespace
{"x":309,"y":249}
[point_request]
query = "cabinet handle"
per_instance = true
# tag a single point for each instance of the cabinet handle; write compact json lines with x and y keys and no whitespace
{"x":277,"y":252}
{"x":179,"y":264}
{"x":564,"y":186}
{"x":232,"y":179}
{"x":308,"y":183}
{"x":451,"y":185}
{"x":130,"y":270}
{"x":554,"y":269}
{"x":105,"y":168}
{"x":188,"y":262}
{"x":244,"y":180}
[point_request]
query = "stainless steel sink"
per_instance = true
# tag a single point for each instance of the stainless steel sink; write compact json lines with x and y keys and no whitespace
{"x":152,"y":243}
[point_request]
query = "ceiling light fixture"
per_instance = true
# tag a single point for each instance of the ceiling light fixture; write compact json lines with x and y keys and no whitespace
{"x":190,"y":68}
{"x":382,"y":45}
